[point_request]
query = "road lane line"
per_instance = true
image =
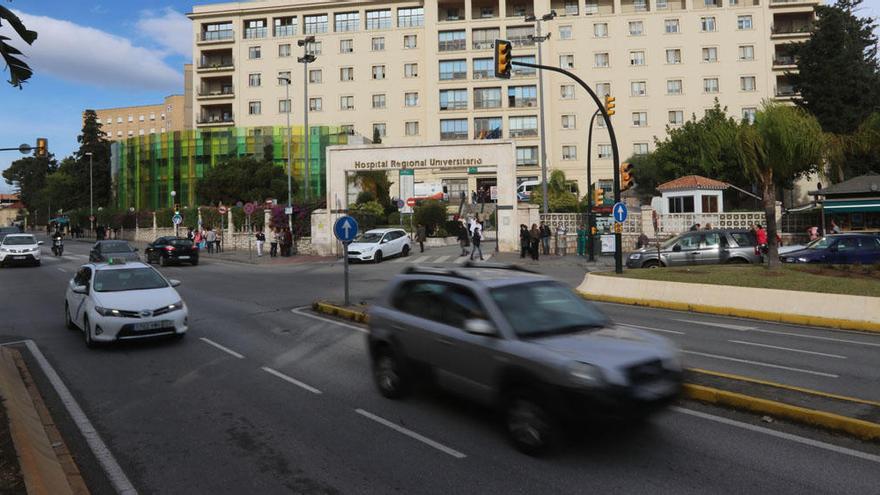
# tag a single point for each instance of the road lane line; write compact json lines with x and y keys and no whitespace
{"x":411,"y":434}
{"x":441,"y":259}
{"x":778,"y":434}
{"x":816,"y":337}
{"x":421,"y":259}
{"x":461,"y":260}
{"x":222,"y":348}
{"x":60,"y":269}
{"x":298,"y":311}
{"x":652,"y":329}
{"x":719,"y":325}
{"x":759,"y":363}
{"x":787,"y":349}
{"x":292,"y":380}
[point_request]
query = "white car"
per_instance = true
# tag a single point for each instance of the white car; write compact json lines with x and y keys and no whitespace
{"x":378,"y":244}
{"x":123,"y":301}
{"x":20,"y":248}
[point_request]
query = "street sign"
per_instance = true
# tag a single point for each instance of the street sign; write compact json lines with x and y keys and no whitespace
{"x":400,"y":203}
{"x":618,"y":228}
{"x":619,"y":212}
{"x":92,"y":218}
{"x":345,"y":228}
{"x":411,"y":202}
{"x":222,"y":210}
{"x":407,"y":171}
{"x":288,"y":210}
{"x":249,"y":208}
{"x":25,"y":148}
{"x":472,"y":170}
{"x":177,"y":219}
{"x":239,"y":204}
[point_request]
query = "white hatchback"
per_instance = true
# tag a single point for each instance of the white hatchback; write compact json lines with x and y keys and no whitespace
{"x":20,"y":248}
{"x":123,"y":301}
{"x":378,"y":244}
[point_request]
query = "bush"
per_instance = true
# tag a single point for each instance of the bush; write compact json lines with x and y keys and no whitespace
{"x":453,"y":227}
{"x":372,"y":208}
{"x":431,"y":214}
{"x":365,"y":197}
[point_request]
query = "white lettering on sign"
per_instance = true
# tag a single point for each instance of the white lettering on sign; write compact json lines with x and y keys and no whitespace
{"x":427,"y":163}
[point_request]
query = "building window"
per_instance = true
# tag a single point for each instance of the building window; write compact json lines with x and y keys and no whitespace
{"x":453,"y":69}
{"x":484,"y":68}
{"x":410,"y":70}
{"x":743,"y":22}
{"x":315,"y":24}
{"x":604,"y":151}
{"x":676,"y":117}
{"x":118,"y":120}
{"x":316,"y":76}
{"x":710,"y":54}
{"x":747,"y":83}
{"x":449,"y":41}
{"x":378,"y":44}
{"x":314,"y":48}
{"x":152,"y":116}
{"x":526,"y":156}
{"x":453,"y":99}
{"x":284,"y":50}
{"x":411,"y":99}
{"x":380,"y":129}
{"x":379,"y":19}
{"x":487,"y":12}
{"x":152,"y":130}
{"x":710,"y":85}
{"x":565,"y":32}
{"x":411,"y":17}
{"x":681,"y":204}
{"x":524,"y":71}
{"x":284,"y":106}
{"x":710,"y":204}
{"x":255,"y":28}
{"x":569,"y":121}
{"x":346,"y":102}
{"x":119,"y":133}
{"x":673,"y":56}
{"x":638,"y":88}
{"x":523,"y":96}
{"x":603,"y":89}
{"x":672,"y":26}
{"x":347,"y":129}
{"x":673,"y":87}
{"x":566,"y":91}
{"x":487,"y":128}
{"x":378,"y":102}
{"x":600,"y":29}
{"x":571,"y":7}
{"x":255,"y":108}
{"x":411,"y":128}
{"x":484,"y":39}
{"x":316,"y":104}
{"x":346,"y":74}
{"x":487,"y":98}
{"x":569,"y":152}
{"x":410,"y":41}
{"x":747,"y":52}
{"x":640,"y":119}
{"x":591,"y":7}
{"x":637,"y":58}
{"x":636,"y":28}
{"x":283,"y":78}
{"x":749,"y":113}
{"x":285,"y":26}
{"x":378,"y":72}
{"x":131,"y":118}
{"x":346,"y":21}
{"x":140,"y":132}
{"x":601,"y":59}
{"x":254,"y":52}
{"x":346,"y":46}
{"x":566,"y":61}
{"x":526,"y":126}
{"x":141,"y":118}
{"x":707,"y":24}
{"x":640,"y":148}
{"x":453,"y":129}
{"x":254,"y":81}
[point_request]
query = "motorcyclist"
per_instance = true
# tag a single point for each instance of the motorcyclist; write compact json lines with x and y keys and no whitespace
{"x":58,"y":241}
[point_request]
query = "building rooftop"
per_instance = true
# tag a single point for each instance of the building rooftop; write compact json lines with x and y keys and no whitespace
{"x":863,"y":184}
{"x":689,"y":182}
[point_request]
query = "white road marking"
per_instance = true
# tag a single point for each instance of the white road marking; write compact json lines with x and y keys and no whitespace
{"x":61,"y":269}
{"x":400,"y":259}
{"x":787,"y":349}
{"x":461,"y":260}
{"x":411,"y":434}
{"x":758,"y":363}
{"x":421,"y":259}
{"x":816,"y":337}
{"x":778,"y":434}
{"x":441,"y":259}
{"x":299,"y":311}
{"x":652,"y":329}
{"x":292,"y":380}
{"x":719,"y":325}
{"x":222,"y":348}
{"x":100,"y":450}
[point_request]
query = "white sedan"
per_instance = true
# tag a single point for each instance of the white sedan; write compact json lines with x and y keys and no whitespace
{"x":378,"y":244}
{"x":21,"y":249}
{"x":123,"y":301}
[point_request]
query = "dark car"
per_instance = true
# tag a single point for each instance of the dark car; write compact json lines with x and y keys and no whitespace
{"x":102,"y":251}
{"x":838,"y":249}
{"x":166,"y":250}
{"x":703,"y":247}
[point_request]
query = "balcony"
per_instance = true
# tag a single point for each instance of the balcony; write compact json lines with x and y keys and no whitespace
{"x":216,"y":92}
{"x":453,"y":135}
{"x":216,"y":64}
{"x":255,"y":33}
{"x":484,"y":9}
{"x":452,"y":45}
{"x":215,"y":120}
{"x":487,"y":104}
{"x":222,"y":36}
{"x":790,"y":30}
{"x":484,"y":74}
{"x":450,"y":10}
{"x":453,"y":76}
{"x":599,"y":7}
{"x":522,"y":102}
{"x":635,"y":6}
{"x":793,"y":3}
{"x":524,"y":133}
{"x":517,"y":8}
{"x":453,"y":105}
{"x":784,"y":62}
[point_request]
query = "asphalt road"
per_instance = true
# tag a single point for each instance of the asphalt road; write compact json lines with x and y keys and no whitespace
{"x":264,"y":398}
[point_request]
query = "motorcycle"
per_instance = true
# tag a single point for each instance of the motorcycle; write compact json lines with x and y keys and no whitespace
{"x":57,"y":246}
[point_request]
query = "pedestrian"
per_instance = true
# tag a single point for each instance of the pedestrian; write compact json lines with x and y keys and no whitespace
{"x":582,"y":240}
{"x":463,"y":238}
{"x":534,"y":241}
{"x":288,"y":241}
{"x":219,"y":241}
{"x":421,"y":237}
{"x":474,"y":197}
{"x":695,"y":227}
{"x":708,"y":226}
{"x":835,"y":229}
{"x":545,"y":237}
{"x":761,"y":238}
{"x":642,"y":242}
{"x":210,"y":239}
{"x":477,"y":236}
{"x":524,"y":240}
{"x":561,"y":240}
{"x":190,"y":234}
{"x":261,"y":239}
{"x":273,"y":246}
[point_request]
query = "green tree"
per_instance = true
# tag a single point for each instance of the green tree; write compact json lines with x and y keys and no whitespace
{"x":91,"y":140}
{"x":242,"y":179}
{"x":19,"y":71}
{"x":431,"y":214}
{"x":28,"y":175}
{"x":57,"y":191}
{"x":838,"y":72}
{"x":377,"y":183}
{"x":783,"y":144}
{"x":560,"y":199}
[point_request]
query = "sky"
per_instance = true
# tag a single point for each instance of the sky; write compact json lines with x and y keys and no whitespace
{"x":101,"y":54}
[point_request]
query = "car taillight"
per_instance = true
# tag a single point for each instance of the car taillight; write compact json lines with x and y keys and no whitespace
{"x":169,"y":248}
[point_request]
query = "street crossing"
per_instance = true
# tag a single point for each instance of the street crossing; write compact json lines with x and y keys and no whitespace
{"x":447,"y":259}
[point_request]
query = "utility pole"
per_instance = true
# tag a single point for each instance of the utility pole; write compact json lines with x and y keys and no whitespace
{"x":305,"y":60}
{"x":537,"y":38}
{"x":286,"y":81}
{"x":91,"y":193}
{"x":590,"y":255}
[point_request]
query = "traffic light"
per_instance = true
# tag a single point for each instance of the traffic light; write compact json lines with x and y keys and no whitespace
{"x":609,"y":104}
{"x":598,"y":196}
{"x":503,"y":52}
{"x":42,"y":149}
{"x":627,"y":177}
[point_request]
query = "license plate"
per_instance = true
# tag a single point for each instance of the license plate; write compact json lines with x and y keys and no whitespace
{"x":19,"y":257}
{"x":152,"y":325}
{"x":183,"y":257}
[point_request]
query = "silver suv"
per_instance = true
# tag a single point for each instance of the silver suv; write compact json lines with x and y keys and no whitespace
{"x":521,"y":342}
{"x":703,"y":247}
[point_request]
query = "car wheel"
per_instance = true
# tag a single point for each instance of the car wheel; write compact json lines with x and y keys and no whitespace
{"x":87,"y":331}
{"x":377,"y":258}
{"x":651,"y":264}
{"x":163,"y":261}
{"x":530,"y":426}
{"x":37,"y":263}
{"x":67,"y":321}
{"x":389,"y":374}
{"x":737,"y":261}
{"x":195,"y":262}
{"x":405,"y":251}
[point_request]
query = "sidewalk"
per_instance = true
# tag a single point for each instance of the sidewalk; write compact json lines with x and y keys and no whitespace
{"x":251,"y":258}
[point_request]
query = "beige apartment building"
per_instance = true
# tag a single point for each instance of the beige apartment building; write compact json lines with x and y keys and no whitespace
{"x":422,"y":71}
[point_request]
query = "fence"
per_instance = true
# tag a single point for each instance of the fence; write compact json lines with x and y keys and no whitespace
{"x":674,"y":223}
{"x":571,"y":221}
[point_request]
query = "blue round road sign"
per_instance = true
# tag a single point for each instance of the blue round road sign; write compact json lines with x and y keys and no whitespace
{"x":176,"y":219}
{"x":619,"y":212}
{"x":345,"y":228}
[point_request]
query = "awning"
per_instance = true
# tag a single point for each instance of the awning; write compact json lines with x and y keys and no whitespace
{"x":854,"y":206}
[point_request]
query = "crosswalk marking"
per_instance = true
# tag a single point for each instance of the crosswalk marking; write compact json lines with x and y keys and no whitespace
{"x":402,"y":259}
{"x":420,"y":259}
{"x":442,"y":259}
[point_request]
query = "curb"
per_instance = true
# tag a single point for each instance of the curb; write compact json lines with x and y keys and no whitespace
{"x":346,"y":313}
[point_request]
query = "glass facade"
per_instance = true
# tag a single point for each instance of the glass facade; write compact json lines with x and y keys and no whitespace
{"x":147,"y":168}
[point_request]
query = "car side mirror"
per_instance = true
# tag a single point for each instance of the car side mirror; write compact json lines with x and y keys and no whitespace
{"x":81,"y":289}
{"x":383,"y":241}
{"x":479,"y":326}
{"x":174,"y":283}
{"x":676,"y":248}
{"x":39,"y":243}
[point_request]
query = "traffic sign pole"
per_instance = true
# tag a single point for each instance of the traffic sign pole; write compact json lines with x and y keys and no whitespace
{"x":345,"y":229}
{"x":345,"y":264}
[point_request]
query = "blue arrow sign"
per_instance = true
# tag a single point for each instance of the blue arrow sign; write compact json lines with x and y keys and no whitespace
{"x":345,"y":228}
{"x":619,"y":212}
{"x":176,"y":219}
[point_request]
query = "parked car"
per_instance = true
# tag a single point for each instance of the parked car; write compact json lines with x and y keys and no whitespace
{"x":378,"y":244}
{"x":704,"y":247}
{"x":167,"y":250}
{"x":838,"y":249}
{"x":102,"y":251}
{"x":521,"y":342}
{"x":20,"y":249}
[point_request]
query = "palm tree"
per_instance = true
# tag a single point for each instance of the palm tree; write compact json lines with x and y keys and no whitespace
{"x":784,"y":143}
{"x":19,"y":71}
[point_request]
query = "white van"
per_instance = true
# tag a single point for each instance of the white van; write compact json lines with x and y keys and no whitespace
{"x":524,"y":190}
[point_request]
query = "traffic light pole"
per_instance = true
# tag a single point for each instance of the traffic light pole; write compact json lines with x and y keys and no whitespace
{"x":590,"y":218}
{"x":618,"y":248}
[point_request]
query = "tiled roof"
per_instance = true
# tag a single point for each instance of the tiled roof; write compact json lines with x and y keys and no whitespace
{"x":692,"y":182}
{"x":869,"y":183}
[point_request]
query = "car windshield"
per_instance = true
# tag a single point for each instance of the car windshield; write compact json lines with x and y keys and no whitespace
{"x":823,"y":243}
{"x":546,"y":308}
{"x":671,"y":242}
{"x":181,"y":242}
{"x":18,"y":240}
{"x":369,"y":237}
{"x":128,"y":279}
{"x":115,"y":247}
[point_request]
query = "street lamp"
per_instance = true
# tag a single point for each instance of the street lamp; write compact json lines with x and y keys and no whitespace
{"x":286,"y":81}
{"x":91,"y":193}
{"x":537,"y":38}
{"x":306,"y":59}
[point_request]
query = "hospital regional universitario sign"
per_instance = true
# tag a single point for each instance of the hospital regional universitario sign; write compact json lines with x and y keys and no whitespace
{"x":426,"y":163}
{"x":421,"y":157}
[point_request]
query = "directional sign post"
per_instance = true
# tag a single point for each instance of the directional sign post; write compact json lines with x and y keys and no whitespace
{"x":176,"y":220}
{"x":619,"y":212}
{"x":345,"y":229}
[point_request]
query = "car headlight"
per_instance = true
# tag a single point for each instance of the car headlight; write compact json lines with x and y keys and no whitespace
{"x":585,"y":375}
{"x":368,"y":249}
{"x":4,"y":250}
{"x":108,"y":312}
{"x":635,"y":256}
{"x":175,"y":306}
{"x":803,"y":260}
